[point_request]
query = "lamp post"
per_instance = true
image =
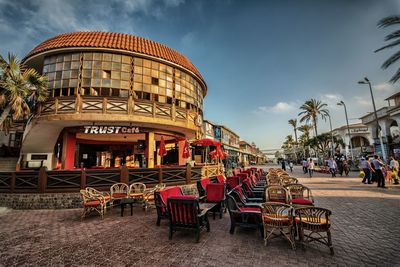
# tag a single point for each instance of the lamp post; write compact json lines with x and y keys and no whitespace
{"x":341,"y":103}
{"x":330,"y":125}
{"x":366,"y":81}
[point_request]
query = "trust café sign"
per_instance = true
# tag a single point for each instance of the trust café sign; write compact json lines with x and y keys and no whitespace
{"x":110,"y":129}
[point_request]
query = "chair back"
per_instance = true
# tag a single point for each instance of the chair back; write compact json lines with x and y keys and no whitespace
{"x":201,"y":186}
{"x":313,"y":218}
{"x":215,"y":192}
{"x":137,"y":188}
{"x":231,"y":204}
{"x":277,"y":214}
{"x":298,"y":191}
{"x":93,"y":191}
{"x":232,"y":182}
{"x":119,"y":190}
{"x":286,"y":180}
{"x":183,"y":211}
{"x":277,"y":193}
{"x":221,"y":178}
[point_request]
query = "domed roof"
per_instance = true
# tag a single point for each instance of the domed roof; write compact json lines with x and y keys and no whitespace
{"x":113,"y":40}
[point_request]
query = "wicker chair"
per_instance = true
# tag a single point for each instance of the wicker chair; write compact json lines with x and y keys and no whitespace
{"x":106,"y":196}
{"x":119,"y":191}
{"x":288,"y":180}
{"x":314,"y":225}
{"x":273,"y":180}
{"x":278,"y":217}
{"x":300,"y":195}
{"x":91,"y":202}
{"x":277,"y":193}
{"x":185,"y":214}
{"x":149,"y":192}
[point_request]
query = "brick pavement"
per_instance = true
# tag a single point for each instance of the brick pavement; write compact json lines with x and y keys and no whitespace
{"x":365,"y":231}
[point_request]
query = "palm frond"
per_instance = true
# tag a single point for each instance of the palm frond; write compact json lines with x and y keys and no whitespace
{"x":391,"y":60}
{"x":395,"y":77}
{"x":388,"y":21}
{"x":392,"y":44}
{"x":393,"y":35}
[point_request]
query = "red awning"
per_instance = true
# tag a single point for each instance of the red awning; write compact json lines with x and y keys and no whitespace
{"x":206,"y":142}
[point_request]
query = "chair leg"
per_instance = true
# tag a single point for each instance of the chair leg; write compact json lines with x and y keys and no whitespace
{"x":330,"y":242}
{"x":198,"y":235}
{"x":207,"y":224}
{"x":232,"y":230}
{"x":170,"y":233}
{"x":158,"y":220}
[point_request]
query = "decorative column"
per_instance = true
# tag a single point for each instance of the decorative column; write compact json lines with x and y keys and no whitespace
{"x":68,"y":151}
{"x":150,"y":148}
{"x":182,"y":160}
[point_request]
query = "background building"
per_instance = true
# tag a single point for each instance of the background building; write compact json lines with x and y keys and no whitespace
{"x":112,"y":97}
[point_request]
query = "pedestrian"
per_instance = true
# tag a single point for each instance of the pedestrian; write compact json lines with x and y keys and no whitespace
{"x":366,"y":167}
{"x":394,"y":164}
{"x":283,"y":162}
{"x":311,"y":168}
{"x":388,"y":174}
{"x":291,"y":166}
{"x":305,"y":164}
{"x":378,"y":165}
{"x":332,"y":166}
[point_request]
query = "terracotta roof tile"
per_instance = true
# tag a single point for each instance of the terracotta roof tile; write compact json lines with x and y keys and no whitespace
{"x":116,"y":41}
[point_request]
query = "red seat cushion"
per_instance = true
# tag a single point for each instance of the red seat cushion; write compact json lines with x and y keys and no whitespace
{"x":221,"y":178}
{"x":301,"y":201}
{"x":215,"y":192}
{"x":119,"y":195}
{"x":204,"y":182}
{"x":183,"y":197}
{"x":232,"y":181}
{"x":170,"y":192}
{"x":252,"y":209}
{"x":92,"y":203}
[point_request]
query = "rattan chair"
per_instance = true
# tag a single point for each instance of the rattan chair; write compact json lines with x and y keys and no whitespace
{"x":91,"y":203}
{"x":288,"y":180}
{"x":106,"y":196}
{"x":119,"y":191}
{"x":277,"y":193}
{"x":300,"y":195}
{"x":278,"y":221}
{"x":314,"y":225}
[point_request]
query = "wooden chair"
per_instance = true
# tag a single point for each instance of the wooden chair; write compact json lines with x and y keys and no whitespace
{"x":300,"y":195}
{"x":119,"y":191}
{"x":215,"y":193}
{"x":314,"y":226}
{"x":278,"y":217}
{"x":277,"y":193}
{"x":185,"y":214}
{"x":247,"y":217}
{"x":161,"y":198}
{"x":288,"y":180}
{"x":91,"y":203}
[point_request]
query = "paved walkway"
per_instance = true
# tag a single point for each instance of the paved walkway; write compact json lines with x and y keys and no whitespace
{"x":365,"y":230}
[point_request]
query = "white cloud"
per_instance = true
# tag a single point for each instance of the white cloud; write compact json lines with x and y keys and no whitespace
{"x":331,"y":100}
{"x":384,"y":88}
{"x":280,"y":107}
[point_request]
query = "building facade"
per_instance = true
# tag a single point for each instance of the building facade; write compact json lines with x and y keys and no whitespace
{"x":112,"y":97}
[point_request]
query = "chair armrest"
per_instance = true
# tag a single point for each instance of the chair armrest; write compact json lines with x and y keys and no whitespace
{"x":202,"y":213}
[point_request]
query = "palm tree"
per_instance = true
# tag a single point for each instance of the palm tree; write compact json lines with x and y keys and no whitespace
{"x":21,"y":88}
{"x":311,"y":109}
{"x":394,"y":37}
{"x":305,"y":129}
{"x":293,"y":123}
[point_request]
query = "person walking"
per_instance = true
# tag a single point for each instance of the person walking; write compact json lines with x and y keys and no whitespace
{"x":366,"y":167}
{"x":332,"y":166}
{"x":283,"y":165}
{"x":378,"y":165}
{"x":394,"y":164}
{"x":311,"y":168}
{"x":291,"y":166}
{"x":305,"y":164}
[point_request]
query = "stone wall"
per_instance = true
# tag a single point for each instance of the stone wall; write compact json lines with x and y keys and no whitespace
{"x":41,"y":201}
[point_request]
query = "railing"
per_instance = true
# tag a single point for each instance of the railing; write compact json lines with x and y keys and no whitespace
{"x":43,"y":181}
{"x":112,"y":105}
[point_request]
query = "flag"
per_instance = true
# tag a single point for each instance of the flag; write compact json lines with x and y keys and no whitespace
{"x":162,"y":150}
{"x":186,"y":151}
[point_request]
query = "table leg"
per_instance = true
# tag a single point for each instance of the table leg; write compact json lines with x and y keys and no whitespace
{"x":122,"y":210}
{"x":131,"y":209}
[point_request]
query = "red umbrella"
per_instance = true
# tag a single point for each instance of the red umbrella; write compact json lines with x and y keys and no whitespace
{"x":206,"y":142}
{"x":213,"y":154}
{"x":221,"y":153}
{"x":162,"y":151}
{"x":186,"y":151}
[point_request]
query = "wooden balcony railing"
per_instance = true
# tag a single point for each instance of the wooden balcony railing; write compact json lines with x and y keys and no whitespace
{"x":43,"y":181}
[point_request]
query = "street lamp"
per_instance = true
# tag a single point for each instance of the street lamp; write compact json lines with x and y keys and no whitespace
{"x":366,"y":81}
{"x":341,"y":103}
{"x":330,"y":125}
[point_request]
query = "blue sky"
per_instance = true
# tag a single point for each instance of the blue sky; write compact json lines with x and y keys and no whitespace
{"x":260,"y":59}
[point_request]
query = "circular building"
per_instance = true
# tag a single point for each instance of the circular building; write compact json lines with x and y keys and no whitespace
{"x":112,"y":97}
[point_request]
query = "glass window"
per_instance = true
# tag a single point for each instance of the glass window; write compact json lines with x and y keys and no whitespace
{"x":73,"y":82}
{"x":52,"y":59}
{"x":106,"y":83}
{"x":59,"y":58}
{"x":147,"y":79}
{"x":67,"y":65}
{"x":137,"y":78}
{"x":65,"y":91}
{"x":106,"y":57}
{"x":154,"y":89}
{"x":126,"y":59}
{"x":57,"y":84}
{"x":147,"y":63}
{"x":154,"y":73}
{"x":97,"y":65}
{"x":125,"y":84}
{"x":116,"y":58}
{"x":161,"y":91}
{"x":162,"y":99}
{"x":138,"y":86}
{"x":96,"y":82}
{"x":146,"y":71}
{"x":75,"y":57}
{"x":162,"y":75}
{"x":66,"y":74}
{"x":88,"y":56}
{"x":154,"y":81}
{"x":138,"y":61}
{"x":125,"y":76}
{"x":106,"y":65}
{"x":116,"y":66}
{"x":95,"y":91}
{"x":115,"y":83}
{"x":57,"y":92}
{"x":169,"y":93}
{"x":86,"y":82}
{"x":87,"y":64}
{"x":115,"y":75}
{"x":46,"y":61}
{"x":52,"y":75}
{"x":123,"y":93}
{"x":104,"y":91}
{"x":114,"y":92}
{"x":97,"y":56}
{"x":58,"y":75}
{"x":138,"y":70}
{"x":169,"y":70}
{"x":45,"y":69}
{"x":146,"y":88}
{"x":163,"y":67}
{"x":87,"y":73}
{"x":161,"y":83}
{"x":97,"y":74}
{"x":65,"y":83}
{"x":169,"y":78}
{"x":74,"y":65}
{"x":155,"y":65}
{"x":52,"y":67}
{"x":126,"y":67}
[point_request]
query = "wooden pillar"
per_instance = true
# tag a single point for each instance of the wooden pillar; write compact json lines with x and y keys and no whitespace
{"x":160,"y":176}
{"x":68,"y":151}
{"x":42,"y":180}
{"x":124,"y":174}
{"x":83,"y":179}
{"x":150,"y":148}
{"x":188,"y":173}
{"x":182,"y":160}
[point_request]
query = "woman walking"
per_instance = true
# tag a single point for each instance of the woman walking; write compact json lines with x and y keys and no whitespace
{"x":311,"y":168}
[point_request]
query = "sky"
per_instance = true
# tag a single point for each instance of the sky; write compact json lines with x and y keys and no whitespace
{"x":261,"y":60}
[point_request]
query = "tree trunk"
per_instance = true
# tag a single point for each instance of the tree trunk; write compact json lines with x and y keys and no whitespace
{"x":5,"y":114}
